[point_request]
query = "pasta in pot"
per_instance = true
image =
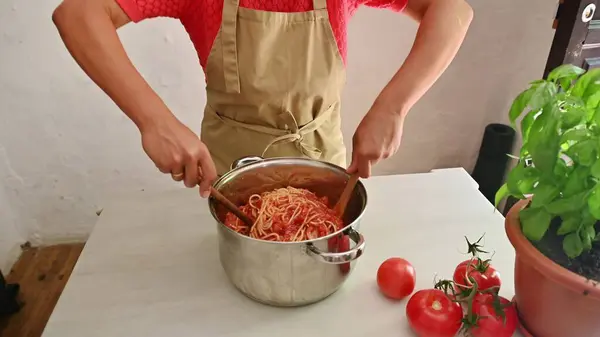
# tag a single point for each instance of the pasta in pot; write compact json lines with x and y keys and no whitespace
{"x":286,"y":214}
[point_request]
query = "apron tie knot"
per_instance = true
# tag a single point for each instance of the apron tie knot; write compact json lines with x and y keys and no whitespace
{"x":297,"y":138}
{"x":295,"y":134}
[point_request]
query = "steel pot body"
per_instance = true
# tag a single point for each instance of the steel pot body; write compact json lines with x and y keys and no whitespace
{"x":288,"y":273}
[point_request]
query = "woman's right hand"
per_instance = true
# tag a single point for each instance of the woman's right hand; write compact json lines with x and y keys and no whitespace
{"x":177,"y":150}
{"x":88,"y":29}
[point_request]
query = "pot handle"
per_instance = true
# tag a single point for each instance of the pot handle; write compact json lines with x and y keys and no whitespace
{"x":343,"y":257}
{"x":245,"y":161}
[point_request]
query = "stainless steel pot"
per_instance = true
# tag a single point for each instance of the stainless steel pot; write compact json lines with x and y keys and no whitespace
{"x":288,"y":273}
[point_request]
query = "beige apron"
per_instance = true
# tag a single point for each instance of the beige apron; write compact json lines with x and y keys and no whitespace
{"x":274,"y":82}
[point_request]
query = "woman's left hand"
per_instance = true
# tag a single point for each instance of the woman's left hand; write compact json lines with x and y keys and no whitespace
{"x":377,"y":137}
{"x":442,"y":28}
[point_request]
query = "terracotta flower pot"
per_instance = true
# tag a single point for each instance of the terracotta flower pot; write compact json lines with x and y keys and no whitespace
{"x":552,"y":301}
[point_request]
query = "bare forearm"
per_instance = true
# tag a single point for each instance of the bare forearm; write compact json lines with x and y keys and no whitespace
{"x":444,"y":24}
{"x":88,"y":29}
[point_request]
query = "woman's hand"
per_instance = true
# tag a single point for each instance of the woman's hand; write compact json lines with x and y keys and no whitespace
{"x":177,"y":150}
{"x":88,"y":29}
{"x":442,"y":28}
{"x":377,"y":137}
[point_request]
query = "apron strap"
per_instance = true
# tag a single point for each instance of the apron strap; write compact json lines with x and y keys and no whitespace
{"x":319,"y":4}
{"x":228,"y":40}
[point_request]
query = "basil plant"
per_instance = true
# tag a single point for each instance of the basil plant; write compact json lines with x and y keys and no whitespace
{"x":559,"y":162}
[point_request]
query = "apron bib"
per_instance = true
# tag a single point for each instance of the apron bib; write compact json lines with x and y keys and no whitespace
{"x":274,"y":82}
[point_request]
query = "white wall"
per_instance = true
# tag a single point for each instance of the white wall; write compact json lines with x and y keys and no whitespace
{"x":64,"y":146}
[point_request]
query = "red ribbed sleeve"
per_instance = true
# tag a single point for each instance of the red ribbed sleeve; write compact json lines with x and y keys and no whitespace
{"x":138,"y":10}
{"x":395,"y":5}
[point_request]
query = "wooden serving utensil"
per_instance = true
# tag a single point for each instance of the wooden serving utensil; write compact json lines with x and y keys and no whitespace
{"x":340,"y":207}
{"x":231,"y":206}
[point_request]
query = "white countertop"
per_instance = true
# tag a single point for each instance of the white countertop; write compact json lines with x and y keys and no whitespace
{"x":151,"y":268}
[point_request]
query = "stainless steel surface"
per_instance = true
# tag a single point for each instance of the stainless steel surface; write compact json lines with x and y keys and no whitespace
{"x":340,"y":257}
{"x":244,"y":161}
{"x":288,"y":273}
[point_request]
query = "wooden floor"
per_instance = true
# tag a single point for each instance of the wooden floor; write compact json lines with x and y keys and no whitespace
{"x":42,"y":274}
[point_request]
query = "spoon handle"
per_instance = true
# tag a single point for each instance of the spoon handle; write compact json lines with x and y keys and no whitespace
{"x":340,"y":207}
{"x":230,"y":206}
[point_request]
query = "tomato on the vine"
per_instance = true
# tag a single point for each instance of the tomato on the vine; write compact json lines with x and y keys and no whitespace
{"x":396,"y":278}
{"x":431,"y":313}
{"x":496,"y":316}
{"x":479,"y":271}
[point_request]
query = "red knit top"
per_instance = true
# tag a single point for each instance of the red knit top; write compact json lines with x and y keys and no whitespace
{"x":202,"y":18}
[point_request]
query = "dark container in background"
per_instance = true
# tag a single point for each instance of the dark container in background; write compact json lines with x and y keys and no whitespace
{"x":491,"y":166}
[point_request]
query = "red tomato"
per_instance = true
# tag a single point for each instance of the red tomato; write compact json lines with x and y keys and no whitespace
{"x":480,"y":271}
{"x":431,"y":313}
{"x":332,"y":244}
{"x":489,"y":323}
{"x":343,"y":245}
{"x":396,"y":278}
{"x":339,"y":244}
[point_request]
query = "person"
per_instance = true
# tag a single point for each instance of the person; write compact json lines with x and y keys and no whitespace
{"x":274,"y":75}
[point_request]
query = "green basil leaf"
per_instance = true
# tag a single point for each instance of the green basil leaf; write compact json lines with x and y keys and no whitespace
{"x":587,"y":219}
{"x":569,"y":204}
{"x":543,"y":95}
{"x":534,"y":222}
{"x":543,"y":194}
{"x":591,"y":231}
{"x":584,"y":81}
{"x":572,"y":245}
{"x":590,"y":116}
{"x":521,"y":179}
{"x":592,"y":96}
{"x":531,"y":177}
{"x":526,"y":123}
{"x":596,"y":115}
{"x":524,"y":153}
{"x":575,"y":135}
{"x":584,"y":152}
{"x":566,"y":83}
{"x":519,"y":105}
{"x":587,"y":234}
{"x":570,"y":100}
{"x":570,"y":223}
{"x":514,"y":177}
{"x":560,"y":171}
{"x":544,"y":141}
{"x":565,"y":71}
{"x":573,"y":115}
{"x":576,"y":181}
{"x":594,"y":203}
{"x":595,"y":170}
{"x":502,"y":193}
{"x":586,"y":242}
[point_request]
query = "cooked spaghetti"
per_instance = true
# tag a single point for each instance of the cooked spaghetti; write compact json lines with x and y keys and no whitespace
{"x":286,"y":214}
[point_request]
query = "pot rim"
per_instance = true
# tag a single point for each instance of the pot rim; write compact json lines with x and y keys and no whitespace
{"x":551,"y":269}
{"x":300,"y":160}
